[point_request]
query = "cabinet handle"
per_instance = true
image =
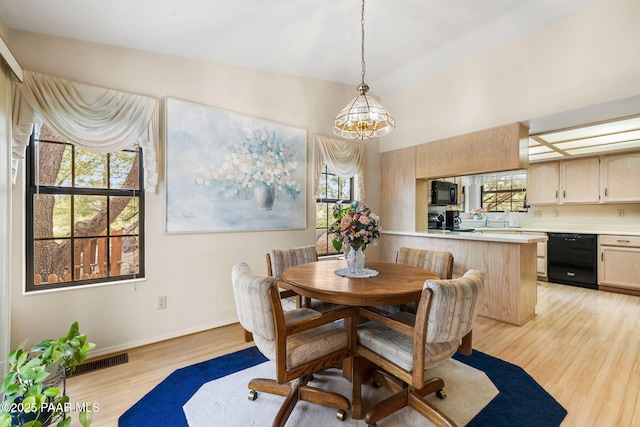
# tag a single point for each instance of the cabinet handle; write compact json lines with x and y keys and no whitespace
{"x":623,"y":241}
{"x":605,"y":192}
{"x":564,"y":194}
{"x":602,"y":256}
{"x":556,"y":194}
{"x":571,"y":274}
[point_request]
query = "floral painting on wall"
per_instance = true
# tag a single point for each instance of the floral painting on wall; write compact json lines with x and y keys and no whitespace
{"x":230,"y":172}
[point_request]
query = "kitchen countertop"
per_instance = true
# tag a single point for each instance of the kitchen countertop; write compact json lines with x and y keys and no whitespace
{"x":484,"y":236}
{"x":582,"y":229}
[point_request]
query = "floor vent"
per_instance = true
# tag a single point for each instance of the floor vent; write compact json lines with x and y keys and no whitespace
{"x":95,"y":365}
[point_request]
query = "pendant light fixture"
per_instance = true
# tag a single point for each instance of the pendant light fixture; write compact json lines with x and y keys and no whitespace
{"x":363,"y":117}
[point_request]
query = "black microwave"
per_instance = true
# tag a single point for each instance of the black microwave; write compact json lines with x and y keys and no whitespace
{"x":444,"y":193}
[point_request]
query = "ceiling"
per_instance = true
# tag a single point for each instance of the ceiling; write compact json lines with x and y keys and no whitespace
{"x":405,"y":40}
{"x":605,"y":137}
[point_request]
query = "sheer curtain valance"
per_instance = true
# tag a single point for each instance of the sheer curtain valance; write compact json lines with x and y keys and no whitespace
{"x":92,"y":117}
{"x":343,"y":158}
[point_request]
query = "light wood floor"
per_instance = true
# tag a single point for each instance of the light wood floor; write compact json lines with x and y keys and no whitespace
{"x":583,"y":347}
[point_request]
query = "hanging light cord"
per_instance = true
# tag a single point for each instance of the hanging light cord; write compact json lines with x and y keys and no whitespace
{"x":364,"y":66}
{"x":363,"y":117}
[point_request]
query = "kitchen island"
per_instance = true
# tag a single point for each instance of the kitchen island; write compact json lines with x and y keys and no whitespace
{"x":508,"y":261}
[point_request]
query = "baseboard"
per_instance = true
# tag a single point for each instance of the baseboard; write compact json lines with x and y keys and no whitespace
{"x":627,"y":291}
{"x":99,"y":352}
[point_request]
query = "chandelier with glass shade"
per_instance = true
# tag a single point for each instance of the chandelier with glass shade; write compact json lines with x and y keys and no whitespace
{"x":363,"y":117}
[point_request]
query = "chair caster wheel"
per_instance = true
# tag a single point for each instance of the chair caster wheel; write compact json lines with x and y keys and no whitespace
{"x":441,"y":394}
{"x":375,"y":384}
{"x":253,"y":395}
{"x":341,"y":415}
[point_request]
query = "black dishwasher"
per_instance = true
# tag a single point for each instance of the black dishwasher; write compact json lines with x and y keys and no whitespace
{"x":572,"y":259}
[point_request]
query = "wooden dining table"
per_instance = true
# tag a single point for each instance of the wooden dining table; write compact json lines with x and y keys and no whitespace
{"x":394,"y":284}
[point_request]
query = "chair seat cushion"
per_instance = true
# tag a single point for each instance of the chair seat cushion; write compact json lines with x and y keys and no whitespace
{"x":307,"y":345}
{"x":323,"y":306}
{"x":404,"y":317}
{"x":398,"y":348}
{"x":289,"y":303}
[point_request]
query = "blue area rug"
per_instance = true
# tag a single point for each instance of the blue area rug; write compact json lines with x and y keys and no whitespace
{"x":521,"y":401}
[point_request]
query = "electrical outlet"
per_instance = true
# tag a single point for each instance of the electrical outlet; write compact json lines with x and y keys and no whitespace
{"x":537,"y":213}
{"x":620,"y":212}
{"x":162,"y":302}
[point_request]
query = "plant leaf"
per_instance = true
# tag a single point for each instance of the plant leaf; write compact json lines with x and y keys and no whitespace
{"x":5,"y":420}
{"x":51,"y":391}
{"x":29,"y":402}
{"x":85,"y":418}
{"x":9,"y":380}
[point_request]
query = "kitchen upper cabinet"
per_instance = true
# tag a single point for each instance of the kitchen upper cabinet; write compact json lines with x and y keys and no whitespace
{"x":542,"y":183}
{"x":606,"y":179}
{"x":490,"y":150}
{"x":621,"y":178}
{"x":580,"y":180}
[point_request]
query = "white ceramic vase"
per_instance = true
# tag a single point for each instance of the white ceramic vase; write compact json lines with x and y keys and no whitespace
{"x":355,"y":260}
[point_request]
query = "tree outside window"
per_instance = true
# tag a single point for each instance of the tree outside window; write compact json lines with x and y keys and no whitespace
{"x":332,"y":190}
{"x":85,"y":214}
{"x":504,"y":193}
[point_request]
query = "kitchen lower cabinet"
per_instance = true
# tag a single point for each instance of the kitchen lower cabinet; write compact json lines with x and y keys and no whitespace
{"x":541,"y":258}
{"x":619,"y":264}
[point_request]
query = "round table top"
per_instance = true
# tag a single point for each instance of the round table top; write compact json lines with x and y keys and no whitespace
{"x":395,"y":283}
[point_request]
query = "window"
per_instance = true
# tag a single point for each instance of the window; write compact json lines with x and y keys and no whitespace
{"x":504,"y":193}
{"x":332,"y":189}
{"x":85,"y":214}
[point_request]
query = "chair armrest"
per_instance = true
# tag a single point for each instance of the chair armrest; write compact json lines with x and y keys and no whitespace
{"x":321,"y":319}
{"x":287,"y":293}
{"x":383,"y":318}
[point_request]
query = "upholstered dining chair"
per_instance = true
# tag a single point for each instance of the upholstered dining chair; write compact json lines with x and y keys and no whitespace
{"x":298,"y":341}
{"x":438,"y":262}
{"x":279,"y":260}
{"x":405,"y":351}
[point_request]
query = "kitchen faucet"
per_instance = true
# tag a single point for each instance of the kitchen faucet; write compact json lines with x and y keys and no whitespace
{"x":486,"y":221}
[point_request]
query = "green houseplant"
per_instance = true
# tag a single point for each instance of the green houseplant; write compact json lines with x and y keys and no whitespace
{"x":30,"y":399}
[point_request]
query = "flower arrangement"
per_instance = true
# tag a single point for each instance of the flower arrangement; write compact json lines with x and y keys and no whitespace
{"x":355,"y":225}
{"x":261,"y":158}
{"x":479,"y":212}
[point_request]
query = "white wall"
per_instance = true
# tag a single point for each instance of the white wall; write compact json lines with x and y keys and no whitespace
{"x":192,"y":270}
{"x":5,"y":213}
{"x":5,"y":208}
{"x":585,"y":59}
{"x":584,"y":217}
